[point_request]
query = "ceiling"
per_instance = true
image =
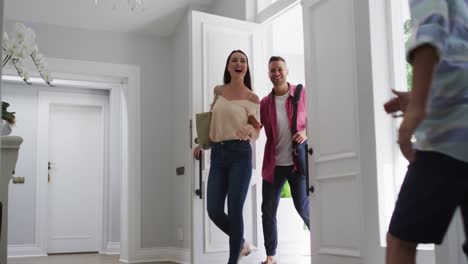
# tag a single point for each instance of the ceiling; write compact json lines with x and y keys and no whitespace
{"x":158,"y":17}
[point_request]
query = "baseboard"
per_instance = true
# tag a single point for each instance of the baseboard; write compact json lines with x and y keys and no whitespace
{"x":172,"y":254}
{"x":112,"y":248}
{"x":18,"y":251}
{"x":180,"y":255}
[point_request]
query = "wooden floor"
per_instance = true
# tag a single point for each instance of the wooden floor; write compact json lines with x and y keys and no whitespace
{"x":73,"y":259}
{"x":103,"y":259}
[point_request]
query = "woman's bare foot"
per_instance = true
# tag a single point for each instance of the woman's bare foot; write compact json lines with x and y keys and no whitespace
{"x":246,"y":249}
{"x":269,"y":260}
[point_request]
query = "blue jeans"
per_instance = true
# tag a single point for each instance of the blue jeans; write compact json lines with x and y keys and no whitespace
{"x":271,"y":193}
{"x":230,"y":173}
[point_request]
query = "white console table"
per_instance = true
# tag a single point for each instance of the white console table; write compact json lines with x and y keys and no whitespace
{"x":9,"y":155}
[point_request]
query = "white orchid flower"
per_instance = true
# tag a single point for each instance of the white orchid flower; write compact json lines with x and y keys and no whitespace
{"x":12,"y":49}
{"x":25,"y":75}
{"x":22,"y":45}
{"x":46,"y":77}
{"x":19,"y":53}
{"x":31,"y":34}
{"x":41,"y":67}
{"x":21,"y":31}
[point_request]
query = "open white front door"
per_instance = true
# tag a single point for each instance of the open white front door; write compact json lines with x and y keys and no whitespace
{"x":213,"y":39}
{"x":333,"y":128}
{"x":451,"y":249}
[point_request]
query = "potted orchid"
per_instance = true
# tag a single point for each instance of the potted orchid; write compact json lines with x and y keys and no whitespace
{"x":8,"y":119}
{"x":20,"y":48}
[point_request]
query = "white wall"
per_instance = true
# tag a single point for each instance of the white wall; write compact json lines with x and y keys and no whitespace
{"x":1,"y":27}
{"x":22,"y":210}
{"x":180,"y":126}
{"x":232,"y":9}
{"x":153,"y":55}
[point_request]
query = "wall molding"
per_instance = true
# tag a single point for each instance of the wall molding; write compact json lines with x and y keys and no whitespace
{"x":112,"y":248}
{"x":337,"y":176}
{"x":334,"y":157}
{"x":29,"y":250}
{"x":354,"y":253}
{"x":173,"y":254}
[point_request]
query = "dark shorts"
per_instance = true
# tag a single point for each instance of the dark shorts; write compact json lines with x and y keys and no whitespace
{"x":434,"y":186}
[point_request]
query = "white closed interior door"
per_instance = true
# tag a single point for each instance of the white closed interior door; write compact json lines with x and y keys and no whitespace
{"x":213,"y":39}
{"x":75,"y":189}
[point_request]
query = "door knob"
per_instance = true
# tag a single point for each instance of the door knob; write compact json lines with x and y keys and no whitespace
{"x":311,"y":189}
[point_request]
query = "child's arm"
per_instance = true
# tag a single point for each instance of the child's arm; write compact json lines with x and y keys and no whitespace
{"x":430,"y":20}
{"x":430,"y":26}
{"x":425,"y":59}
{"x":424,"y":62}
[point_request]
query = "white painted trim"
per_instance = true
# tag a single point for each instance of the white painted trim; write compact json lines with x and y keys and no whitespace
{"x":337,"y":176}
{"x":65,"y":83}
{"x":112,"y":248}
{"x":340,"y":252}
{"x":59,"y":74}
{"x":274,"y":10}
{"x":334,"y":157}
{"x":19,"y":251}
{"x":180,"y":255}
{"x":131,"y":141}
{"x":177,"y":255}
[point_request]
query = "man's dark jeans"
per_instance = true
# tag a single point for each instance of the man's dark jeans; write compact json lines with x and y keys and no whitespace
{"x":271,"y":196}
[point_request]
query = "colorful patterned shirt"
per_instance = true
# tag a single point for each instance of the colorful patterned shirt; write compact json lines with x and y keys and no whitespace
{"x":443,"y":24}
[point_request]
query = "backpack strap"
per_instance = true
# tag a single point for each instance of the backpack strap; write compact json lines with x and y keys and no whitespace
{"x":297,"y":96}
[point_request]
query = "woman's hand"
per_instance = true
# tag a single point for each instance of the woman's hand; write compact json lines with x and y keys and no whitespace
{"x":245,"y":132}
{"x":197,"y":151}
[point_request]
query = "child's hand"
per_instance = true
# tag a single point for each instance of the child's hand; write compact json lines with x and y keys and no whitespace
{"x":411,"y":121}
{"x":398,"y":103}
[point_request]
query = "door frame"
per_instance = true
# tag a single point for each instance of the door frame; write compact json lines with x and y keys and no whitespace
{"x":46,"y":100}
{"x":126,"y":97}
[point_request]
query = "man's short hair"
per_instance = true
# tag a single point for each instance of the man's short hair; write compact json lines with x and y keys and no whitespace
{"x":276,"y":58}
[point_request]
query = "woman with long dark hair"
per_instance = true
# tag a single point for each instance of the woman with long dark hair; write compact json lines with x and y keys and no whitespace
{"x":235,"y":122}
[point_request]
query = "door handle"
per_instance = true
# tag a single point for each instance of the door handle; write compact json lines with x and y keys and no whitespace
{"x":49,"y":166}
{"x":198,"y":191}
{"x":1,"y":215}
{"x":309,"y":188}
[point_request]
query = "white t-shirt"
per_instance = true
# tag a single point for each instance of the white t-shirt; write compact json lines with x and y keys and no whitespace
{"x":283,"y":146}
